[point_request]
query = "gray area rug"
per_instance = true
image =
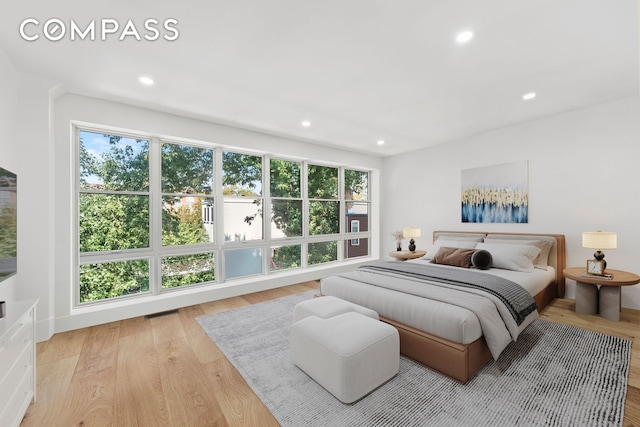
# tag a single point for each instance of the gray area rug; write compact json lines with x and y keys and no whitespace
{"x":554,"y":375}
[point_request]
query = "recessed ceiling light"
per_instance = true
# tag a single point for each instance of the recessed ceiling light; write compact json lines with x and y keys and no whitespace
{"x":464,"y":36}
{"x":306,"y":123}
{"x":380,"y":142}
{"x":528,"y":96}
{"x":148,"y":81}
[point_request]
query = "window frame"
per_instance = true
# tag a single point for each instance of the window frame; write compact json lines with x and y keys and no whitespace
{"x":117,"y":255}
{"x":356,"y":236}
{"x":156,"y":252}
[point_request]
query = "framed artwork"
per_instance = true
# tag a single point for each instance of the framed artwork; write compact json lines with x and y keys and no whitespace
{"x":498,"y":193}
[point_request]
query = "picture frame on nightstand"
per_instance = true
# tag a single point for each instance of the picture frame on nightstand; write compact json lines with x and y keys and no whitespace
{"x":595,"y":267}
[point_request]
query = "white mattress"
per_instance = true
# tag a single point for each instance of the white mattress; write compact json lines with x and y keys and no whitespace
{"x":441,"y":319}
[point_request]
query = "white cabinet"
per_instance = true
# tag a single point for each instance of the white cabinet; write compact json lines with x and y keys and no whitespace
{"x":17,"y":361}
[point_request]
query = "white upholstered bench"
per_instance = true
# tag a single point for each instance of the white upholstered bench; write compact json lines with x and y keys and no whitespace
{"x":349,"y":354}
{"x":329,"y":306}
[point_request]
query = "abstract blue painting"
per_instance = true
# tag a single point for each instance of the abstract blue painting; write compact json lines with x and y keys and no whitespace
{"x":497,"y":193}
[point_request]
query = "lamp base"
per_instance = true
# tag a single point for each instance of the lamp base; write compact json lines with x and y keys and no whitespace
{"x":412,"y":245}
{"x":599,"y":255}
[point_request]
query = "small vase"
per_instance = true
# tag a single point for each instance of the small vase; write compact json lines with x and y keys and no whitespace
{"x":399,"y":248}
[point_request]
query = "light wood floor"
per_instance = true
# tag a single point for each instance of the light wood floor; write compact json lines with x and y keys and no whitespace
{"x":165,"y":371}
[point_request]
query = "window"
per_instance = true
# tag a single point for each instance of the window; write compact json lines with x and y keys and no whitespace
{"x":115,"y":234}
{"x":356,"y":185}
{"x":286,"y":199}
{"x":113,"y":217}
{"x":154,"y":215}
{"x":357,"y":205}
{"x":180,"y":270}
{"x":114,"y":190}
{"x":242,"y":190}
{"x":104,"y":280}
{"x":285,"y":178}
{"x":188,"y":214}
{"x":242,"y":262}
{"x":285,"y":257}
{"x":112,"y":222}
{"x":358,"y":249}
{"x":187,"y":195}
{"x":324,"y":207}
{"x":321,"y":252}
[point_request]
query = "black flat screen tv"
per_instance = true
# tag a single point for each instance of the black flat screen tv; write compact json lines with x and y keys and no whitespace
{"x":8,"y":224}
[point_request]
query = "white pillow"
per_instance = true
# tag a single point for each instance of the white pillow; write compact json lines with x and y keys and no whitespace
{"x":545,"y":243}
{"x":511,"y":257}
{"x":450,"y":244}
{"x":469,"y":237}
{"x":541,"y":261}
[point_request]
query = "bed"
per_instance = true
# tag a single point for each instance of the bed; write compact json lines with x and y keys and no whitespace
{"x":448,"y":329}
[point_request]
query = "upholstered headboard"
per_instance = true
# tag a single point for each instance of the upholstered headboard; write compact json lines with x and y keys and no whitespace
{"x":557,"y":254}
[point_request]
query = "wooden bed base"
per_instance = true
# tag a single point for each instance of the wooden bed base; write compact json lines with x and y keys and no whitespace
{"x":462,"y":361}
{"x":458,"y":361}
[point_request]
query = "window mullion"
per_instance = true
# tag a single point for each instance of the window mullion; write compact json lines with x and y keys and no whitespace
{"x":342,"y":215}
{"x":266,"y":213}
{"x":219,"y":213}
{"x":155,"y":213}
{"x":305,"y":213}
{"x":266,"y":199}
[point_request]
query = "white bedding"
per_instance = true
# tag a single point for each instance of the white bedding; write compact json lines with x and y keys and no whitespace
{"x":442,"y":319}
{"x":533,"y":281}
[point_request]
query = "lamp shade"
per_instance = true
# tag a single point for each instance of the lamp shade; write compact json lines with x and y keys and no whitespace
{"x":599,"y":240}
{"x":411,"y":232}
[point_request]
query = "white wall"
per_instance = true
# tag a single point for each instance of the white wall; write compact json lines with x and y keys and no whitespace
{"x":70,"y":107}
{"x":35,"y":237}
{"x":584,"y":175}
{"x":25,"y":148}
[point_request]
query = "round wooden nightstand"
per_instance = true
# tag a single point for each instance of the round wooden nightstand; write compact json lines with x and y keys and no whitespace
{"x":405,"y":255}
{"x":607,"y":300}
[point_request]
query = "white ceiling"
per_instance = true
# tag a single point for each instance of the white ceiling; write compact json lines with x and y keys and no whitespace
{"x":358,"y":70}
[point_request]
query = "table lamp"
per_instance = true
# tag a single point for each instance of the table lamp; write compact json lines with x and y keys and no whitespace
{"x":599,"y":240}
{"x":410,"y":233}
